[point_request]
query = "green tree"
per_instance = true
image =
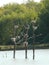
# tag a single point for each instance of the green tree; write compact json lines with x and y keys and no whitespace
{"x":16,"y":14}
{"x":44,"y":19}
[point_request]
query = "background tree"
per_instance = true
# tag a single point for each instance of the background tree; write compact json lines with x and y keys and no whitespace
{"x":44,"y":20}
{"x":21,"y":14}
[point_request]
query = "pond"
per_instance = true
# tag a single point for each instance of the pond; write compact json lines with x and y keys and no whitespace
{"x":41,"y":57}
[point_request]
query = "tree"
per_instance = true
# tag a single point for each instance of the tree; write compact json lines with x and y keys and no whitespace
{"x":16,"y":14}
{"x":44,"y":19}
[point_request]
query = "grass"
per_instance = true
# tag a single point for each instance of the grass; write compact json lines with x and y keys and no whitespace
{"x":6,"y":47}
{"x":19,"y":47}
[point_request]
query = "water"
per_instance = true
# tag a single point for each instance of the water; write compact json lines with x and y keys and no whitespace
{"x":41,"y":57}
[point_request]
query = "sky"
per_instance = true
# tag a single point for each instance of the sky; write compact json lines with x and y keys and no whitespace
{"x":4,"y":2}
{"x":37,"y":0}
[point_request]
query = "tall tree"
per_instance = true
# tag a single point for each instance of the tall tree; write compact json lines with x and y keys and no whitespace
{"x":44,"y":19}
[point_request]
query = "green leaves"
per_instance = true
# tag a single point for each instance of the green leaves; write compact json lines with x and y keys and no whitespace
{"x":44,"y":19}
{"x":16,"y":14}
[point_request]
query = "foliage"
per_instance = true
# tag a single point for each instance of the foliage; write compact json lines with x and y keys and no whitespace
{"x":21,"y":14}
{"x":44,"y":20}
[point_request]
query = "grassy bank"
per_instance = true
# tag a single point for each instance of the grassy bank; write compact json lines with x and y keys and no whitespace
{"x":22,"y":47}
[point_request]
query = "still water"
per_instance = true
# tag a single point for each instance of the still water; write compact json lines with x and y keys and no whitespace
{"x":41,"y":57}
